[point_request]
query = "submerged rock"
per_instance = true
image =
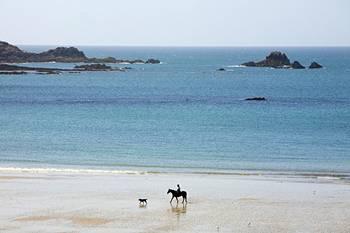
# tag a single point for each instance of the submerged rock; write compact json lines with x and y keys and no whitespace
{"x":315,"y":65}
{"x":258,"y":98}
{"x":15,"y":69}
{"x":221,"y":69}
{"x":13,"y":72}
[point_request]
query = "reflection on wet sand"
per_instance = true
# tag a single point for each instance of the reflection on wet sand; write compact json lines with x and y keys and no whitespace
{"x":179,"y":209}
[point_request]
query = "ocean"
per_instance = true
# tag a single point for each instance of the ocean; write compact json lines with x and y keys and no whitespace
{"x":181,"y":115}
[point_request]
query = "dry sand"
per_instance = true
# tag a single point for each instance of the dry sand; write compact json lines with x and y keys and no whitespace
{"x":57,"y":202}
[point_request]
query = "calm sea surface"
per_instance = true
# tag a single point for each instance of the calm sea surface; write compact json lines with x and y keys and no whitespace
{"x":182,"y":115}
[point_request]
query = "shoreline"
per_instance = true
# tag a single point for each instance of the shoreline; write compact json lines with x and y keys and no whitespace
{"x":61,"y":202}
{"x":311,"y":176}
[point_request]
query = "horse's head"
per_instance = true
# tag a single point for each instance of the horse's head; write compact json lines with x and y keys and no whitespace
{"x":169,"y":191}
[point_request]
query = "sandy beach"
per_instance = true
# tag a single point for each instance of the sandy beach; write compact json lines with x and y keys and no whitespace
{"x":78,"y":202}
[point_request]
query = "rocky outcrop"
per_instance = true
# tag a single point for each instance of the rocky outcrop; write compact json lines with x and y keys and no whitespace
{"x":12,"y":54}
{"x":275,"y":59}
{"x":152,"y":61}
{"x":60,"y":54}
{"x":249,"y":64}
{"x":297,"y":65}
{"x":7,"y":69}
{"x":93,"y":67}
{"x":315,"y":65}
{"x":9,"y":53}
{"x":256,"y":99}
{"x":280,"y":60}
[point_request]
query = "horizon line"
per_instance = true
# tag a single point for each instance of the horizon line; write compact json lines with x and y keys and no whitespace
{"x":192,"y":46}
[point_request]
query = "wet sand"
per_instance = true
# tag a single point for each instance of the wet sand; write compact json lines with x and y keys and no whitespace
{"x":57,"y":202}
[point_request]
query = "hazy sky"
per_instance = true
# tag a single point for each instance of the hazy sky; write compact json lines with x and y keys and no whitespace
{"x":176,"y":22}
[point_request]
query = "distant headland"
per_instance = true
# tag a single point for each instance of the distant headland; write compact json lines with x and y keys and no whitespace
{"x":12,"y":54}
{"x":280,"y":60}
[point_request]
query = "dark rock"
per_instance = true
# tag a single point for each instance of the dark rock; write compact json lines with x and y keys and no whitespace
{"x":256,"y":99}
{"x":62,"y":54}
{"x":48,"y":72}
{"x":249,"y":64}
{"x":279,"y":60}
{"x":221,"y":69}
{"x":9,"y":53}
{"x":297,"y":65}
{"x":93,"y":67}
{"x":315,"y":65}
{"x":137,"y":61}
{"x":152,"y":61}
{"x":275,"y":59}
{"x":13,"y":72}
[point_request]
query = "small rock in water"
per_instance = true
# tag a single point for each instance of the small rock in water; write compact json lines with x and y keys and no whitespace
{"x":152,"y":61}
{"x":297,"y":65}
{"x":256,"y":99}
{"x":315,"y":65}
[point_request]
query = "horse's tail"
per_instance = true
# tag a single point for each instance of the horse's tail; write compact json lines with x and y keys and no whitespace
{"x":184,"y":194}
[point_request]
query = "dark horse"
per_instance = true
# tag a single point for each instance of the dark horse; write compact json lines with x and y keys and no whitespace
{"x":177,"y":194}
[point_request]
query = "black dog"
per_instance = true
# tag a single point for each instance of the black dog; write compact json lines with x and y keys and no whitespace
{"x":143,"y":201}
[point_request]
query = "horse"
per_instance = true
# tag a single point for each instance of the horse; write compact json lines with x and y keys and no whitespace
{"x":177,"y":194}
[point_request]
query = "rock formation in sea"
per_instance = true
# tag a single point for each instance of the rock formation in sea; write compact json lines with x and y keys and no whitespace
{"x":93,"y":67}
{"x":275,"y":59}
{"x":315,"y":65}
{"x":279,"y":60}
{"x":152,"y":61}
{"x":12,"y":54}
{"x":297,"y":65}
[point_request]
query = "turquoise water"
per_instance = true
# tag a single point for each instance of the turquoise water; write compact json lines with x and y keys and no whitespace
{"x":182,"y":115}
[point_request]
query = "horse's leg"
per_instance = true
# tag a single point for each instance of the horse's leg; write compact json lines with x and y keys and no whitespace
{"x":177,"y":200}
{"x":171,"y":199}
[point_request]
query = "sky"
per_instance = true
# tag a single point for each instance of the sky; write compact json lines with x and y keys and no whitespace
{"x":176,"y":22}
